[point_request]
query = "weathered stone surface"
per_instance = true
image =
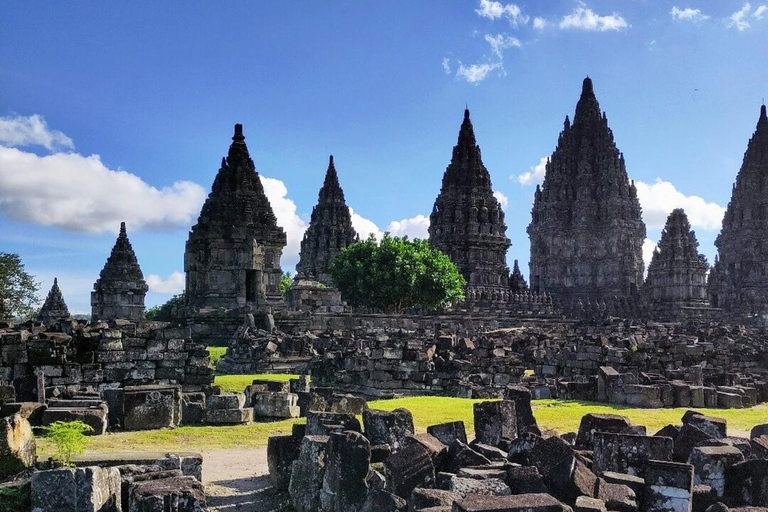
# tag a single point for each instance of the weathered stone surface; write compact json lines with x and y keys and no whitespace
{"x":226,"y":401}
{"x":688,"y":438}
{"x":232,"y":255}
{"x":460,"y":455}
{"x":323,"y":423}
{"x":228,"y":416}
{"x":120,"y":289}
{"x":18,"y":450}
{"x":89,"y":489}
{"x":193,"y":408}
{"x":330,"y":230}
{"x":437,"y":450}
{"x":489,"y":486}
{"x":746,"y":483}
{"x":628,"y":453}
{"x":519,"y":503}
{"x":282,"y":451}
{"x":716,"y":427}
{"x":382,"y":501}
{"x":618,"y":497}
{"x":447,"y":432}
{"x":349,"y":404}
{"x":591,"y":423}
{"x":495,"y":421}
{"x":587,"y":504}
{"x":522,"y":398}
{"x":408,"y":469}
{"x":344,"y":486}
{"x":425,"y":498}
{"x":275,"y":405}
{"x":308,"y":473}
{"x":525,"y":479}
{"x":710,"y":463}
{"x":467,"y":222}
{"x":390,"y":428}
{"x":668,"y":487}
{"x":179,"y":494}
{"x":584,"y":193}
{"x":738,"y":281}
{"x":151,"y":407}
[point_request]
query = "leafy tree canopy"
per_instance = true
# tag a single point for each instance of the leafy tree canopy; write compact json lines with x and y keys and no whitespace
{"x":396,"y":274}
{"x":18,"y":289}
{"x":169,"y":311}
{"x":285,"y":282}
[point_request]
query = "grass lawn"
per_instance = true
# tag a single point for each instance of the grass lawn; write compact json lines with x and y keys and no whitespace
{"x":216,"y":354}
{"x":561,"y":415}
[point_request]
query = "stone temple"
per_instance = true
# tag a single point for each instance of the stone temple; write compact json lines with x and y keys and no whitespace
{"x":54,"y":308}
{"x":120,"y":289}
{"x":330,"y":230}
{"x":739,"y":280}
{"x":467,"y":222}
{"x":232,"y":257}
{"x":586,"y":230}
{"x":677,"y":274}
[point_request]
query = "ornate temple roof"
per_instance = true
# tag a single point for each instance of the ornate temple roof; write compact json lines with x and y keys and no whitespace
{"x":122,"y":264}
{"x":54,"y":307}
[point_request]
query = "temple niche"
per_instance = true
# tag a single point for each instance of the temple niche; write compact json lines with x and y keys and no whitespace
{"x":54,"y":308}
{"x":330,"y":230}
{"x":467,"y":222}
{"x":586,"y":230}
{"x":677,"y":274}
{"x":739,"y":280}
{"x":119,"y":291}
{"x":232,"y":256}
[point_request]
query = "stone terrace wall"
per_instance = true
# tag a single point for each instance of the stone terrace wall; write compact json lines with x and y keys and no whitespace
{"x":402,"y":363}
{"x":102,"y":355}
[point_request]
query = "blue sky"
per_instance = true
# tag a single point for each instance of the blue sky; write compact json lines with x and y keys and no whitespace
{"x":123,"y":112}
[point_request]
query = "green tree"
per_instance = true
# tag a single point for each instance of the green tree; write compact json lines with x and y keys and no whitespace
{"x":396,"y":274}
{"x":169,"y":311}
{"x":285,"y":282}
{"x":68,"y":437}
{"x":18,"y":289}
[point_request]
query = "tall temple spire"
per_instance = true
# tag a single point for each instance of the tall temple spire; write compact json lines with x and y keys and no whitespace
{"x":467,"y":222}
{"x":232,"y":257}
{"x":120,"y":289}
{"x":677,"y":274}
{"x":330,"y":230}
{"x":586,"y":229}
{"x":739,"y":280}
{"x":54,"y":308}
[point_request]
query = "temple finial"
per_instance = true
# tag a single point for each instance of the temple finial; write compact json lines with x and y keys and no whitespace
{"x":587,"y":87}
{"x":55,"y":281}
{"x":122,"y":229}
{"x":238,"y":136}
{"x":466,"y":111}
{"x":330,"y":162}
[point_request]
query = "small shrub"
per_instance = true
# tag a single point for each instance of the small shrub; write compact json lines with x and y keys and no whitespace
{"x":69,"y":438}
{"x":216,"y":353}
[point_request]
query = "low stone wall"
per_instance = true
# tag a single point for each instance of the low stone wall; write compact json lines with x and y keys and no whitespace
{"x":102,"y":355}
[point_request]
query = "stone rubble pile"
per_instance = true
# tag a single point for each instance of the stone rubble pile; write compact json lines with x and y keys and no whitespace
{"x":336,"y":464}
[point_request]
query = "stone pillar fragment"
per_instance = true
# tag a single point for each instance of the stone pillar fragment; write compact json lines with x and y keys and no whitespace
{"x":344,"y":482}
{"x":495,"y":421}
{"x":668,"y":487}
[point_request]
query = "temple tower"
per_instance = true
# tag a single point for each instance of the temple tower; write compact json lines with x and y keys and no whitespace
{"x":739,"y":280}
{"x":677,"y":274}
{"x":120,"y":289}
{"x":586,"y":229}
{"x":517,"y":282}
{"x":54,"y":308}
{"x":467,"y":222}
{"x":232,"y":256}
{"x":330,"y":230}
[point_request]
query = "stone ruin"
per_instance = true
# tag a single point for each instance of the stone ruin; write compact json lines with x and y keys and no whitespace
{"x":54,"y":309}
{"x":335,"y":463}
{"x":120,"y":289}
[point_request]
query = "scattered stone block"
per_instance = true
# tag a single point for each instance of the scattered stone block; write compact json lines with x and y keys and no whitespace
{"x":282,"y":451}
{"x":18,"y":450}
{"x":390,"y":428}
{"x":151,"y":407}
{"x":618,"y":497}
{"x":323,"y":423}
{"x":275,"y":405}
{"x":759,"y":430}
{"x":193,"y":409}
{"x":349,"y":404}
{"x":703,"y":497}
{"x":489,"y":487}
{"x":746,"y":483}
{"x":668,"y":487}
{"x":225,"y":401}
{"x":422,"y":498}
{"x":437,"y":450}
{"x":689,"y":437}
{"x":446,"y":433}
{"x":587,"y":504}
{"x":408,"y":469}
{"x":179,"y":494}
{"x":344,"y":486}
{"x":89,"y":489}
{"x":710,"y":463}
{"x":495,"y":421}
{"x":382,"y":501}
{"x":525,"y":480}
{"x":460,"y":456}
{"x":307,"y":474}
{"x":521,"y":395}
{"x":716,"y":427}
{"x":95,"y":417}
{"x":516,"y":503}
{"x":628,"y":453}
{"x":591,"y":423}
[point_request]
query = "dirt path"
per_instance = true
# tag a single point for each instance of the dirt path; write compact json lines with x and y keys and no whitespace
{"x":236,"y":480}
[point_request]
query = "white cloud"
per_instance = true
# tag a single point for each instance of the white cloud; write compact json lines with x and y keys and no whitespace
{"x":501,"y":42}
{"x":364,"y":227}
{"x":79,"y":193}
{"x":476,"y":73}
{"x":287,"y":218}
{"x":739,"y":19}
{"x":688,"y":14}
{"x":493,"y":10}
{"x":535,"y":174}
{"x":172,"y":285}
{"x":22,"y":131}
{"x":760,"y":12}
{"x":660,"y":198}
{"x":584,"y":18}
{"x":648,"y":247}
{"x":502,"y":199}
{"x":540,"y":23}
{"x":415,"y":227}
{"x":447,"y":65}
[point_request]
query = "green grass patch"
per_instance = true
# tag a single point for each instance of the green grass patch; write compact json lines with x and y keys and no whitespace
{"x":237,"y":383}
{"x":216,"y":353}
